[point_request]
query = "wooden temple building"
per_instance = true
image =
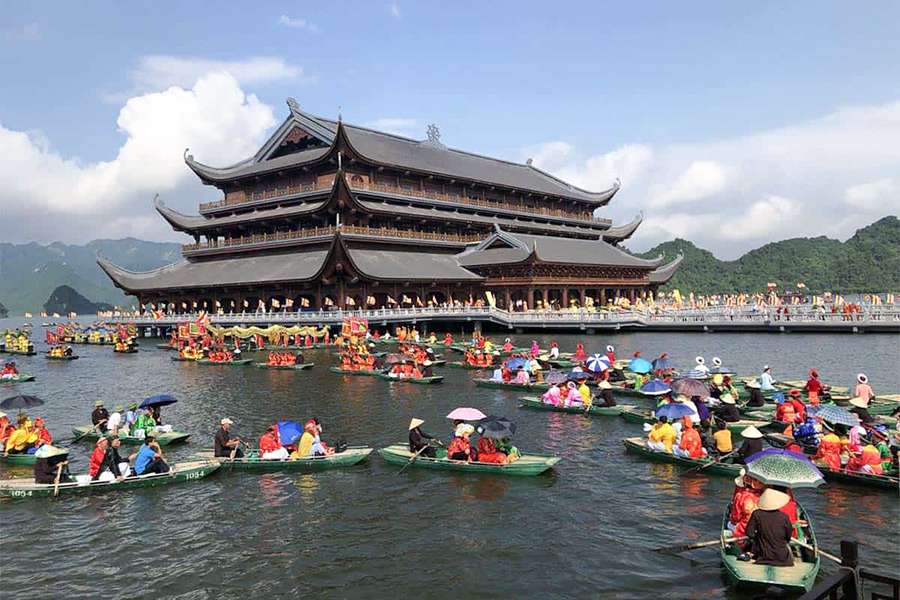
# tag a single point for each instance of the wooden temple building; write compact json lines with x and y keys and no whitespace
{"x":329,"y":215}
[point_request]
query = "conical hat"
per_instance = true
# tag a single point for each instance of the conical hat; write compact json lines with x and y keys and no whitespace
{"x":859,"y":402}
{"x":413,"y":423}
{"x":772,"y":499}
{"x":48,"y":451}
{"x":753,"y":384}
{"x":727,"y":399}
{"x":604,"y":385}
{"x":751,"y":433}
{"x":739,"y":480}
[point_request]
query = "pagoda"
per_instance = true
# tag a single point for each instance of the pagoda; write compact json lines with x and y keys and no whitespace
{"x":330,"y":215}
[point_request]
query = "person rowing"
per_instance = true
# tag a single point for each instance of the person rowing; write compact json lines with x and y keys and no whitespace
{"x":419,"y":440}
{"x":99,"y":416}
{"x":606,"y":392}
{"x":756,"y":398}
{"x":863,"y":389}
{"x":728,"y":410}
{"x":48,"y":461}
{"x":769,"y":531}
{"x":752,"y":444}
{"x":225,"y":444}
{"x":860,"y":408}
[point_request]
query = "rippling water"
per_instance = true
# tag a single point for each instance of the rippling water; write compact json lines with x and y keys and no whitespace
{"x":582,"y":530}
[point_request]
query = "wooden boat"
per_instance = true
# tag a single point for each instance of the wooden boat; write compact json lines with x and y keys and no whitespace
{"x":180,"y":358}
{"x":252,"y":462}
{"x":23,"y":460}
{"x":30,"y":352}
{"x":603,"y":411}
{"x":527,"y":465}
{"x":517,"y":387}
{"x":633,"y":415}
{"x":20,"y":378}
{"x":637,"y":445}
{"x":164,"y":439}
{"x":63,"y":357}
{"x":417,"y":380}
{"x":166,"y":347}
{"x":186,"y":471}
{"x":467,"y":366}
{"x":238,"y":362}
{"x":558,"y":363}
{"x":355,"y":373}
{"x":799,"y":577}
{"x":629,"y":391}
{"x":127,"y":351}
{"x":300,"y":367}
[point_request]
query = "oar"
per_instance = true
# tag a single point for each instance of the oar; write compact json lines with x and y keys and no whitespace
{"x":677,"y":549}
{"x":86,"y":433}
{"x":59,"y":469}
{"x":709,"y":464}
{"x":413,"y":458}
{"x":819,"y":550}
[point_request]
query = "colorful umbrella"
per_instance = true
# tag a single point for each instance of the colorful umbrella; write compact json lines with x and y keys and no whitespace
{"x":834,"y":414}
{"x":554,"y":377}
{"x":673,"y":410}
{"x":158,"y":400}
{"x":597,"y":363}
{"x":395,"y":358}
{"x":695,"y":374}
{"x":577,"y":375}
{"x":464,"y":413}
{"x":21,"y":401}
{"x":655,"y":387}
{"x":662,"y":363}
{"x":515,"y":363}
{"x":640,"y":365}
{"x":690,"y":388}
{"x":496,"y":427}
{"x":289,"y":432}
{"x":776,"y":466}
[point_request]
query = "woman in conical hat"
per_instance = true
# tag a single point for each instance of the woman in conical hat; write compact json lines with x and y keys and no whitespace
{"x":769,"y":531}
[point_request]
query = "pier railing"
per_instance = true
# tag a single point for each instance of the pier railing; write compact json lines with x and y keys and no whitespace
{"x":854,"y":583}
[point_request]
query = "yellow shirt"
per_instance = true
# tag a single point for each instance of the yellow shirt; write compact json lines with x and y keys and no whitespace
{"x":665,"y":433}
{"x":585,"y":394}
{"x":304,"y":445}
{"x":20,"y":439}
{"x":723,"y":440}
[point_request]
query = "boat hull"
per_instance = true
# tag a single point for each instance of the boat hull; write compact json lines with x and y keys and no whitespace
{"x":638,"y":446}
{"x":516,"y":387}
{"x":602,"y":411}
{"x":163,"y":439}
{"x":348,"y":458}
{"x":22,"y":460}
{"x":528,"y":465}
{"x":301,"y":367}
{"x":434,"y":379}
{"x":352,"y":373}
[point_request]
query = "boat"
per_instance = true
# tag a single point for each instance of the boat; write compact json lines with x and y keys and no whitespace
{"x":126,"y":351}
{"x":63,"y":357}
{"x":629,"y":391}
{"x":20,"y":378}
{"x":633,"y":415}
{"x":526,"y":465}
{"x":799,"y":577}
{"x":462,"y":365}
{"x":30,"y":352}
{"x":180,"y":358}
{"x":417,"y":380}
{"x":558,"y":363}
{"x":166,"y":347}
{"x":355,"y":373}
{"x":23,"y":460}
{"x":637,"y":445}
{"x":88,"y":433}
{"x":252,"y":462}
{"x":519,"y":387}
{"x":300,"y":367}
{"x":604,"y":411}
{"x":237,"y":362}
{"x":185,"y":471}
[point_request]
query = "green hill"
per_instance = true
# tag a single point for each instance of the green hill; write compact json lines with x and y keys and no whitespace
{"x":867,"y":262}
{"x":64,"y":300}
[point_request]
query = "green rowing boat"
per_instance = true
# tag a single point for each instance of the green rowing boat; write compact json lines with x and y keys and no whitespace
{"x":64,"y":357}
{"x":526,"y":465}
{"x":799,"y":577}
{"x":252,"y":462}
{"x":602,"y":411}
{"x":166,"y":347}
{"x":23,"y":460}
{"x":300,"y":367}
{"x":467,"y":366}
{"x":736,"y":427}
{"x":186,"y":471}
{"x":238,"y":362}
{"x":355,"y":373}
{"x":128,"y":351}
{"x":636,"y":445}
{"x":20,"y":378}
{"x":86,"y":432}
{"x":518,"y":387}
{"x":180,"y":358}
{"x":417,"y":380}
{"x":20,"y":352}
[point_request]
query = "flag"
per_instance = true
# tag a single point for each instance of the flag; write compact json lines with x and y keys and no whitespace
{"x":218,"y":304}
{"x":289,"y":303}
{"x":304,"y":302}
{"x":276,"y":303}
{"x":349,"y":301}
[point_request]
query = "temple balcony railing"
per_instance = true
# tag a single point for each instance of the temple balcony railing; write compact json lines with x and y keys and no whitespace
{"x":266,"y":194}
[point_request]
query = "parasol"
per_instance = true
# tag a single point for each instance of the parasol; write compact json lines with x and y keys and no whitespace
{"x":640,"y":365}
{"x":690,"y":388}
{"x":695,"y":374}
{"x":158,"y":400}
{"x":515,"y":363}
{"x":597,"y":363}
{"x":655,"y":387}
{"x":555,"y":377}
{"x":777,"y":466}
{"x":289,"y":432}
{"x":21,"y":401}
{"x":834,"y":414}
{"x":464,"y":413}
{"x":663,"y":362}
{"x":496,"y":427}
{"x":673,"y":410}
{"x":578,"y":375}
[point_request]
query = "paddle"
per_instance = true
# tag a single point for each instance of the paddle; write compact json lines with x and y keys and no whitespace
{"x":677,"y":549}
{"x":709,"y":464}
{"x":88,"y":432}
{"x":819,"y":550}
{"x":59,"y":469}
{"x":413,"y":458}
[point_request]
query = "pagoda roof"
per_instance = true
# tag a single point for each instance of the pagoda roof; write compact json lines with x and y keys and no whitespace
{"x":619,"y":233}
{"x":386,"y":149}
{"x":188,"y":223}
{"x":664,"y":273}
{"x":504,"y":247}
{"x":406,"y":265}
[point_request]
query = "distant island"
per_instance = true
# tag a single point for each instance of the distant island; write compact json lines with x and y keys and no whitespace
{"x":64,"y":278}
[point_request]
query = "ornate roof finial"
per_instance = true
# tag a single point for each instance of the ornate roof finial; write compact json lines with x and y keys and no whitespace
{"x":433,"y":133}
{"x":529,"y":162}
{"x":339,"y":113}
{"x":292,"y":104}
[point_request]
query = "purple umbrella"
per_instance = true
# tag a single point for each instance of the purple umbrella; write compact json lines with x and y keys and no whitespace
{"x":673,"y":410}
{"x":690,"y":388}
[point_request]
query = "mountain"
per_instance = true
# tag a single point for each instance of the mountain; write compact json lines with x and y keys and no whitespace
{"x":64,"y":300}
{"x":29,"y":273}
{"x":867,"y":262}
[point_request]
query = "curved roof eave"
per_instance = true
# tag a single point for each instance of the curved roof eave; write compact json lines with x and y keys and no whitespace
{"x":618,"y":233}
{"x":664,"y":273}
{"x":178,"y":221}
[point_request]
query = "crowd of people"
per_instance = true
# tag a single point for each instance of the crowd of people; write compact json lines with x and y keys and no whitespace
{"x":17,"y":341}
{"x":284,"y":358}
{"x":460,"y":446}
{"x":25,"y":437}
{"x":271,"y":446}
{"x":9,"y":371}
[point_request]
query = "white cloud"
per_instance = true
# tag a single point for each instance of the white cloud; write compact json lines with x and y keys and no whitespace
{"x":298,"y":24}
{"x":51,"y":195}
{"x":159,"y":71}
{"x":405,"y":126}
{"x":731,"y":195}
{"x":394,"y":9}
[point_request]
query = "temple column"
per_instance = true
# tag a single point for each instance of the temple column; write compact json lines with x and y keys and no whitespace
{"x":508,"y":304}
{"x":565,"y":297}
{"x":581,"y":297}
{"x":544,"y":296}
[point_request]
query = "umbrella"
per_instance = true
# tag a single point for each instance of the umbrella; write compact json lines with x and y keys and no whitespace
{"x":159,"y":400}
{"x":695,"y":374}
{"x":464,"y":413}
{"x":394,"y":358}
{"x":21,"y":402}
{"x":721,"y":371}
{"x":640,"y":365}
{"x":655,"y":387}
{"x":289,"y":432}
{"x":514,"y":363}
{"x":662,"y":363}
{"x":673,"y":410}
{"x":496,"y":427}
{"x":554,"y":377}
{"x":690,"y":388}
{"x":832,"y":413}
{"x":576,"y":375}
{"x":776,"y":466}
{"x":597,"y":363}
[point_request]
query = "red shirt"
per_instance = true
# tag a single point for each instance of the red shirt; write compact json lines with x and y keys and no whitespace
{"x":459,"y":444}
{"x":96,"y":460}
{"x":813,"y":385}
{"x":268,"y":443}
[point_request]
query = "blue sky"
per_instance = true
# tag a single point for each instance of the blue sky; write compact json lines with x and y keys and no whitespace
{"x":690,"y":85}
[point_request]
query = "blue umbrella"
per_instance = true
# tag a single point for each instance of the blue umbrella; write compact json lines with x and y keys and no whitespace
{"x":597,"y":363}
{"x":673,"y":410}
{"x":834,"y":414}
{"x":662,"y":363}
{"x":576,"y":375}
{"x":289,"y":432}
{"x":514,"y":363}
{"x":639,"y":365}
{"x":655,"y":387}
{"x":695,"y":374}
{"x":554,"y":377}
{"x":158,"y":400}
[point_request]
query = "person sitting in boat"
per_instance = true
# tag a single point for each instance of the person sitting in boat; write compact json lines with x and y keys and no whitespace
{"x":129,"y":419}
{"x":488,"y":453}
{"x":149,"y":458}
{"x":507,"y":345}
{"x":867,"y":461}
{"x":310,"y":443}
{"x":224,"y":444}
{"x":813,"y":387}
{"x":552,"y":396}
{"x":860,"y":408}
{"x":427,"y":369}
{"x":554,"y":351}
{"x":806,"y":434}
{"x":23,"y":438}
{"x":753,"y":443}
{"x":145,"y":424}
{"x":700,"y":365}
{"x":863,"y":389}
{"x":47,"y":461}
{"x":99,"y":416}
{"x":9,"y":371}
{"x":113,"y":467}
{"x":43,"y":434}
{"x":756,"y":398}
{"x":784,"y":411}
{"x":766,"y":381}
{"x":97,"y":456}
{"x":522,"y":376}
{"x":585,"y":392}
{"x":448,"y":339}
{"x":722,"y":443}
{"x":661,"y":436}
{"x":728,"y":410}
{"x":497,"y":375}
{"x":270,"y":447}
{"x":829,"y":452}
{"x":769,"y":531}
{"x":744,"y":501}
{"x":535,"y":348}
{"x":580,"y":354}
{"x":606,"y":393}
{"x":460,"y":448}
{"x":114,"y":422}
{"x":573,"y":397}
{"x":6,"y":429}
{"x":432,"y":338}
{"x":419,"y":440}
{"x":690,"y":445}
